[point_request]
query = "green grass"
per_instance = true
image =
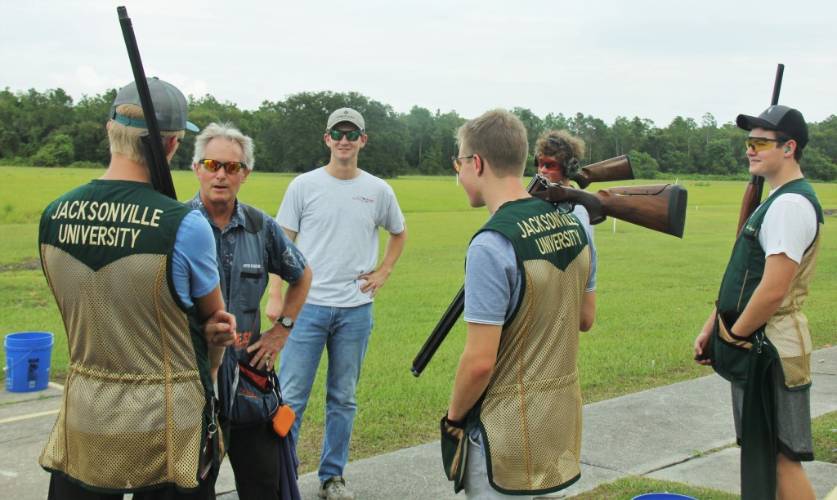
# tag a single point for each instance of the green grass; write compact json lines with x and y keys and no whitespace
{"x":629,"y":487}
{"x":824,"y":430}
{"x":654,"y":292}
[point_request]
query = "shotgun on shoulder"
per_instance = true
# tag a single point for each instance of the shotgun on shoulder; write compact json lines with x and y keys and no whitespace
{"x":662,"y":208}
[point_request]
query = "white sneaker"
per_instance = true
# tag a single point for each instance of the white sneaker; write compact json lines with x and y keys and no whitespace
{"x":335,"y":489}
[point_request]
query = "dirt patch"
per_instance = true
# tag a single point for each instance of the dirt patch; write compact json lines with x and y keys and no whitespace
{"x":26,"y":265}
{"x":829,"y":211}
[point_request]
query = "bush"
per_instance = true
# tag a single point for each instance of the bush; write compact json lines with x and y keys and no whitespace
{"x":644,"y":165}
{"x":57,"y":151}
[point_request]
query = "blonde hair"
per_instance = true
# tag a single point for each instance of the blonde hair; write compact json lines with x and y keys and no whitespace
{"x":500,"y":138}
{"x":561,"y":145}
{"x":126,"y":140}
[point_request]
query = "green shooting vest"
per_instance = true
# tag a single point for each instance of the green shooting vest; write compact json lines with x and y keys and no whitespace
{"x":135,"y":409}
{"x":787,"y":329}
{"x":530,"y":413}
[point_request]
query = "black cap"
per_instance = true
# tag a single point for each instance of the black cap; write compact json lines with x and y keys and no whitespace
{"x":780,"y":118}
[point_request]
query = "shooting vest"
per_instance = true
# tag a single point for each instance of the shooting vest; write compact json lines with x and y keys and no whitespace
{"x":787,"y":329}
{"x":134,"y":413}
{"x":530,"y":413}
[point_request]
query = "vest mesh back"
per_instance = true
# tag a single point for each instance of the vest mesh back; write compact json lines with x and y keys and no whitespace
{"x":133,"y":400}
{"x":532,"y":408}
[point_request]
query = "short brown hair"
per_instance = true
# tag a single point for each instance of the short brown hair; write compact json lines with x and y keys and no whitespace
{"x":500,"y":138}
{"x":126,"y":140}
{"x":561,"y":145}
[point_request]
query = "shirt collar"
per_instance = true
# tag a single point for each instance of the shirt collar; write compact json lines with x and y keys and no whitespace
{"x":236,"y":220}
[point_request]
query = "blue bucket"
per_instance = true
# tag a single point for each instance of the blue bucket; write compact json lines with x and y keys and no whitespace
{"x":27,"y":359}
{"x":663,"y":496}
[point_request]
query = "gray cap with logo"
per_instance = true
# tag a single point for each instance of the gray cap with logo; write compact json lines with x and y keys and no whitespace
{"x":346,"y":115}
{"x":169,"y":106}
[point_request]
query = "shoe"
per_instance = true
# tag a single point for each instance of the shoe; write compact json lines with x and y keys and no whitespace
{"x":335,"y":489}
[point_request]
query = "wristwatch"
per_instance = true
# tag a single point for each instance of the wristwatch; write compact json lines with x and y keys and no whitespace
{"x":285,"y":321}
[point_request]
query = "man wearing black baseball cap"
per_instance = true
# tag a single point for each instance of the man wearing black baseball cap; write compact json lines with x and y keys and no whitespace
{"x":759,"y":304}
{"x":135,"y":279}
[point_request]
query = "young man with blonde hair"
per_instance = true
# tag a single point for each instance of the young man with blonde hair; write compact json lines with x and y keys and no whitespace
{"x":134,"y":276}
{"x":514,"y":422}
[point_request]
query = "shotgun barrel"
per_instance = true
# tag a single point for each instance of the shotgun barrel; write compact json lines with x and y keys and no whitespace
{"x":155,"y":157}
{"x":754,"y":189}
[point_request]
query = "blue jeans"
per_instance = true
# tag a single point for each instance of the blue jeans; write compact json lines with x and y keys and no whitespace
{"x":344,"y":332}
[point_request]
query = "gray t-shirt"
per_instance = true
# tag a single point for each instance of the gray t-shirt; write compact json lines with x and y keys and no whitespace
{"x":492,"y":279}
{"x":337,"y":223}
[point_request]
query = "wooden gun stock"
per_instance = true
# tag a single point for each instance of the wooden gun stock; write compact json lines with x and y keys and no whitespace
{"x":613,"y":169}
{"x":660,"y":207}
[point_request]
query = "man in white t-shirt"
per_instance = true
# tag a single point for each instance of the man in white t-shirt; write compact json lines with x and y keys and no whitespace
{"x":759,"y":311}
{"x":333,"y":214}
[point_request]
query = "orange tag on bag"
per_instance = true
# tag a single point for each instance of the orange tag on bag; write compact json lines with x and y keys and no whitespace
{"x":283,"y":419}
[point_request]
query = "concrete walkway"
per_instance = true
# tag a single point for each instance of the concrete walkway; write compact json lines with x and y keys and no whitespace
{"x":682,"y":432}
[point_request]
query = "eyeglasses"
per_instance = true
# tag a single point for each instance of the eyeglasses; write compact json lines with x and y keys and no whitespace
{"x":351,"y":135}
{"x":457,"y":161}
{"x":759,"y":144}
{"x":548,"y":164}
{"x":232,"y":167}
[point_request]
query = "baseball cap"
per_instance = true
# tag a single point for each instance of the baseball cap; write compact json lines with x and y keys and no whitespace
{"x":346,"y":115}
{"x":169,"y":106}
{"x":780,"y":118}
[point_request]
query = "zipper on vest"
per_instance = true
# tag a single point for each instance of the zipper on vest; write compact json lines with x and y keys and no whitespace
{"x":743,"y":285}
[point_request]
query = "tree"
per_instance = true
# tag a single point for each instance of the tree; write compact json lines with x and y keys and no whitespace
{"x":644,"y":165}
{"x":420,"y":128}
{"x":817,"y":165}
{"x":57,"y":151}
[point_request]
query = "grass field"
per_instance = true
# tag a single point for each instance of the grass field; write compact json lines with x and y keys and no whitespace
{"x":654,"y":292}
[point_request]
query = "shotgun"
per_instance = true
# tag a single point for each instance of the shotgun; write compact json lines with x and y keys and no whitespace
{"x":661,"y":207}
{"x":613,"y":169}
{"x":753,"y":192}
{"x":155,"y":158}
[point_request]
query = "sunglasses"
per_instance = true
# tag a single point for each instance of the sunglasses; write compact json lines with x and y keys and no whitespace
{"x":457,"y":161}
{"x":759,"y":144}
{"x":547,"y":164}
{"x":351,"y":135}
{"x":232,"y":167}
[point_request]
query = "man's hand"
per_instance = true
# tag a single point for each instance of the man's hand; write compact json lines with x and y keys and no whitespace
{"x":267,"y":348}
{"x":701,"y":343}
{"x":374,"y":280}
{"x":219,"y":329}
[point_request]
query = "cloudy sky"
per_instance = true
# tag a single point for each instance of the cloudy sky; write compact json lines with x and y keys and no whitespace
{"x":650,"y":58}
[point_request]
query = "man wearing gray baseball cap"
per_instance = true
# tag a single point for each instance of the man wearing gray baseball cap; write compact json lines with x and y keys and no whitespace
{"x":759,"y":310}
{"x":333,"y":213}
{"x":135,"y":279}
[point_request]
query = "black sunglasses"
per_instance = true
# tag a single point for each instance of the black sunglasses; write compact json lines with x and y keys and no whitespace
{"x":351,"y":135}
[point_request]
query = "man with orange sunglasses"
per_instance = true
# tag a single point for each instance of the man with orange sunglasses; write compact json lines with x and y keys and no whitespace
{"x":250,"y":245}
{"x":557,"y":153}
{"x":757,"y":336}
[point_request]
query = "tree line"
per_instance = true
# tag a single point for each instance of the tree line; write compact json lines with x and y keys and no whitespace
{"x":50,"y":129}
